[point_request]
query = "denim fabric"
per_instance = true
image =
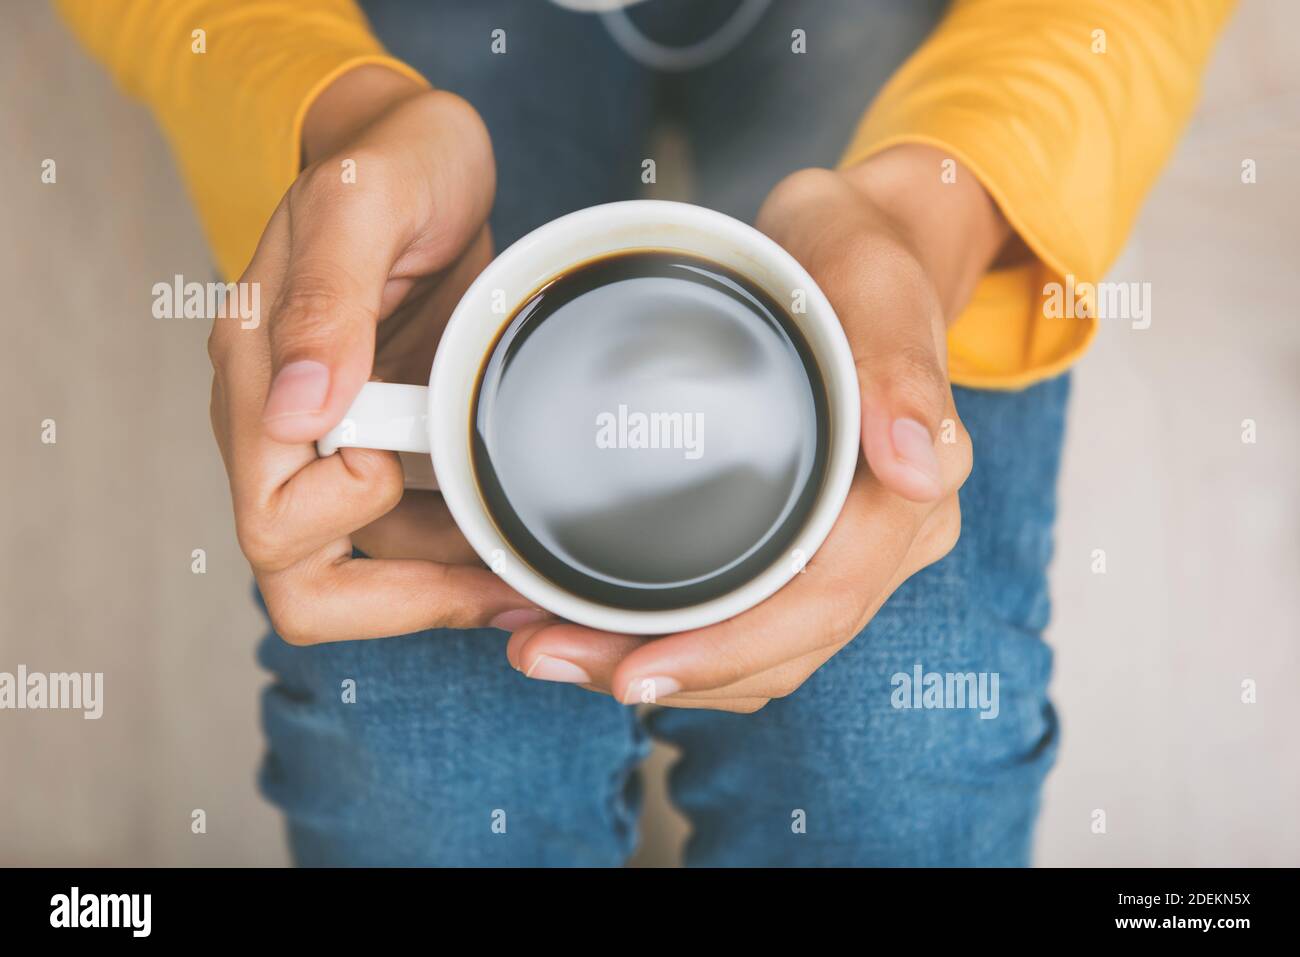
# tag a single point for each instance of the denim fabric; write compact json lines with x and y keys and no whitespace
{"x":450,"y":757}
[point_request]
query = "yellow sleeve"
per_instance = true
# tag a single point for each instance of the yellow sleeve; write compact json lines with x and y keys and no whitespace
{"x":231,"y":100}
{"x":1065,"y":110}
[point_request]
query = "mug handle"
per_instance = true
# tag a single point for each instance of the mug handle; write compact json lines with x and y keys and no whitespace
{"x":388,"y":415}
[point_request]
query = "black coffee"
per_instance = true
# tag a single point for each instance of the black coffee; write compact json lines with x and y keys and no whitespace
{"x":650,"y":430}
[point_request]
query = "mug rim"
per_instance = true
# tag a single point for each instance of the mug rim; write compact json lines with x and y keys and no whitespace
{"x":466,"y":326}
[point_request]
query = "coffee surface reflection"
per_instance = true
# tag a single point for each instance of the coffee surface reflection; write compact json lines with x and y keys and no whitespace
{"x":650,"y":430}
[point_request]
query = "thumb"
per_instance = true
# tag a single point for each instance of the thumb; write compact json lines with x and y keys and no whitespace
{"x":893,"y":320}
{"x":905,"y":400}
{"x":322,"y":324}
{"x":428,"y":155}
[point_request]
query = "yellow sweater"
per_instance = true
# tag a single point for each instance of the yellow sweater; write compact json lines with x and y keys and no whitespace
{"x":1064,"y":109}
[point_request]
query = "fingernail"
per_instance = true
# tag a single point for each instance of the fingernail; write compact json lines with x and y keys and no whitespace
{"x":516,"y":619}
{"x":546,"y":668}
{"x":912,"y":444}
{"x":650,"y":690}
{"x":299,"y":389}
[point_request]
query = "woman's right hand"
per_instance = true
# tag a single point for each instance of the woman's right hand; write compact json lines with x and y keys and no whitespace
{"x":376,"y":239}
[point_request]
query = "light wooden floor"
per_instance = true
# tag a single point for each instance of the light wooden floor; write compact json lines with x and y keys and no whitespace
{"x":1202,"y":533}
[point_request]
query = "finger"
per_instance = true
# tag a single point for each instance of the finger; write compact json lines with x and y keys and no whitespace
{"x":241,"y":364}
{"x":287,"y":502}
{"x":894,"y":326}
{"x":412,"y":208}
{"x":258,"y":466}
{"x":562,"y":651}
{"x":892,"y":317}
{"x":344,"y":239}
{"x":335,"y":598}
{"x":548,"y":651}
{"x":326,"y":500}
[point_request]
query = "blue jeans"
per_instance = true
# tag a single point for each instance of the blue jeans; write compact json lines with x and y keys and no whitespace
{"x":448,"y":756}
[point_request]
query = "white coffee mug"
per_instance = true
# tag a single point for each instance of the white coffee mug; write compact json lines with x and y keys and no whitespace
{"x":434,"y":422}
